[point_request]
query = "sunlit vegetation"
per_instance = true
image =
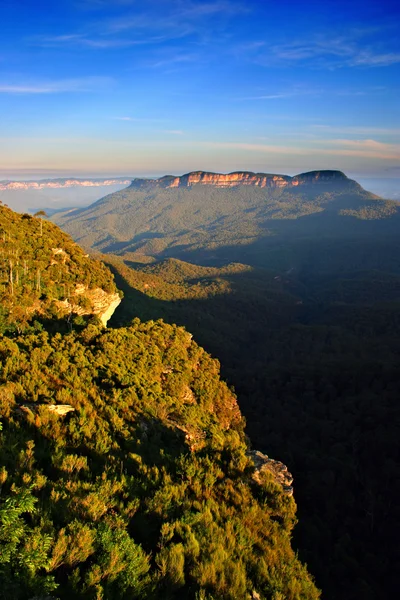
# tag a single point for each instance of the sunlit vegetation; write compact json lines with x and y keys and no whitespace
{"x":39,"y":265}
{"x":145,"y":489}
{"x":124,"y":467}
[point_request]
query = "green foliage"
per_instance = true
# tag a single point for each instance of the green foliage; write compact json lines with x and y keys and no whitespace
{"x":145,"y":489}
{"x":39,"y":266}
{"x":25,"y":549}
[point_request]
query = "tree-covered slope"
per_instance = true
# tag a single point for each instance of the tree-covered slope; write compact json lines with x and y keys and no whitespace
{"x":43,"y":272}
{"x":124,"y":468}
{"x":144,"y":489}
{"x":311,"y":346}
{"x":154,"y":220}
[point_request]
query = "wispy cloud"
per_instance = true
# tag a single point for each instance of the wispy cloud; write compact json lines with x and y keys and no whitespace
{"x":173,"y":59}
{"x":100,"y":4}
{"x":152,"y":23}
{"x":352,"y":49}
{"x":268,"y":148}
{"x":361,"y":130}
{"x":195,"y":10}
{"x":367,"y":147}
{"x":76,"y":39}
{"x":173,"y":131}
{"x":138,"y":119}
{"x":84,"y":84}
{"x":370,"y":59}
{"x":291,"y":93}
{"x":270,"y":96}
{"x":178,"y":17}
{"x":356,"y":148}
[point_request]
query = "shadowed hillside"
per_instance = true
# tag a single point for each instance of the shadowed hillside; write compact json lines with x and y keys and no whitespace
{"x":312,"y":353}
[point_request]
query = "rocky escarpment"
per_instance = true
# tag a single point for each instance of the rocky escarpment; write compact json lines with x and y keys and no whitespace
{"x":95,"y":301}
{"x":279,"y":471}
{"x":262,"y":180}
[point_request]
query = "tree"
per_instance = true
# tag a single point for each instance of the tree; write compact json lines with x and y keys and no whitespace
{"x":40,"y":213}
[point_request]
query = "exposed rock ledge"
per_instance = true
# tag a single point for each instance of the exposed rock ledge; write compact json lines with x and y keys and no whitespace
{"x":263,"y":180}
{"x":263,"y":463}
{"x":59,"y":409}
{"x":102,"y":304}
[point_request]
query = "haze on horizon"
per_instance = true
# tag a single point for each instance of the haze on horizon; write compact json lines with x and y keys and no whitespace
{"x":98,"y":88}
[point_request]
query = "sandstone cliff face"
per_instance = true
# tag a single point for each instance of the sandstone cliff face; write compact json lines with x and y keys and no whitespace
{"x":99,"y":303}
{"x":263,"y":180}
{"x":230,"y":180}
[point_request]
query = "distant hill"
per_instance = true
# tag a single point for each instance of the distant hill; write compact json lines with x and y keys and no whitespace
{"x":174,"y":216}
{"x":56,"y":194}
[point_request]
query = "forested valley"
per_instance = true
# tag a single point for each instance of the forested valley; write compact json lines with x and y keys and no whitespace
{"x":312,"y":351}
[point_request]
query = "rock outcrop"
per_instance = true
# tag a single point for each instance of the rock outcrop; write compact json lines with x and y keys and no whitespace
{"x":58,"y":409}
{"x":263,"y":180}
{"x":97,"y":302}
{"x":279,"y":471}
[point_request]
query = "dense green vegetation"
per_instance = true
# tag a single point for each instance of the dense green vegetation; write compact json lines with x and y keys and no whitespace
{"x":124,"y":468}
{"x":39,"y":265}
{"x":145,"y":489}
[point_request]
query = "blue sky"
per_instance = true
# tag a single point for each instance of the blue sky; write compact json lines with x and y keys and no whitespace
{"x":136,"y":87}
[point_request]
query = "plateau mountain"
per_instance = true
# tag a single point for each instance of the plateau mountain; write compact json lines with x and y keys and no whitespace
{"x":202,"y":212}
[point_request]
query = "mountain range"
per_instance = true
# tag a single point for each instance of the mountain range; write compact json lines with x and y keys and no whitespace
{"x":55,"y":194}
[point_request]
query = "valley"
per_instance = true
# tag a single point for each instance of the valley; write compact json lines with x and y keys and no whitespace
{"x":295,"y":295}
{"x":199,"y":300}
{"x":298,"y":296}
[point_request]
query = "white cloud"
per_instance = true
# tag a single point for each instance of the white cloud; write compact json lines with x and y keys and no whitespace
{"x":173,"y":59}
{"x":84,"y":84}
{"x":360,"y":130}
{"x":173,"y":131}
{"x":357,"y":148}
{"x":348,"y":50}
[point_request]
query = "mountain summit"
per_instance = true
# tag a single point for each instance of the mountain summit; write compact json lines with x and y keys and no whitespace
{"x":236,"y":178}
